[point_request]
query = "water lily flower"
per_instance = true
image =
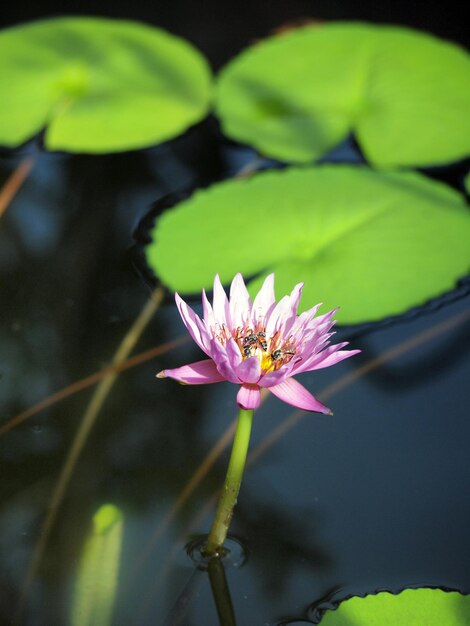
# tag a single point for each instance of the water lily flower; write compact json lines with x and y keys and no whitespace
{"x":259,"y":344}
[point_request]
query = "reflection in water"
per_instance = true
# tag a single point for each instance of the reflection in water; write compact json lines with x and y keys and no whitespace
{"x":441,"y":355}
{"x":178,"y":615}
{"x":87,"y":422}
{"x":279,"y":538}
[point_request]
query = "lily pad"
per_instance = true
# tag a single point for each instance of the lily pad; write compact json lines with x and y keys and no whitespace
{"x":374,"y":243}
{"x":412,"y":607}
{"x":404,"y":94}
{"x":98,"y":85}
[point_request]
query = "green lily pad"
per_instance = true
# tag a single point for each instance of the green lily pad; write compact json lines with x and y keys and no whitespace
{"x":374,"y":243}
{"x":412,"y":607}
{"x":405,"y":95}
{"x":98,"y":85}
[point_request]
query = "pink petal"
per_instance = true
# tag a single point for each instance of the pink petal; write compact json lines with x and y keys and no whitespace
{"x":278,"y":316}
{"x":248,"y":397}
{"x":291,"y":316}
{"x":198,"y":373}
{"x":220,"y":304}
{"x":316,"y":360}
{"x":295,"y":298}
{"x":276,"y":377}
{"x":249,"y":370}
{"x":316,"y":355}
{"x":321,"y":322}
{"x":240,"y":302}
{"x":209,"y":318}
{"x":316,"y":336}
{"x":313,"y":345}
{"x":194,"y":325}
{"x":303,"y":319}
{"x":294,"y":393}
{"x":223,"y":360}
{"x":233,"y":353}
{"x":264,"y":299}
{"x":334,"y":358}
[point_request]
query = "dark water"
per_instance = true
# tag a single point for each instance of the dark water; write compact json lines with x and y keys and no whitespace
{"x":374,"y":497}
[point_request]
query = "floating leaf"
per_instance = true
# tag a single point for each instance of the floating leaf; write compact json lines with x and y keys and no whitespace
{"x":373,"y":243}
{"x":98,"y":85}
{"x":95,"y":589}
{"x":412,"y":607}
{"x":405,"y":95}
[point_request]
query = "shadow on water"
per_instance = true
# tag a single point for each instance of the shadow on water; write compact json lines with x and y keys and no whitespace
{"x":280,"y":538}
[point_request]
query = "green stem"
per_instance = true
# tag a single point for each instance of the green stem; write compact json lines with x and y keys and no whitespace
{"x":229,"y":495}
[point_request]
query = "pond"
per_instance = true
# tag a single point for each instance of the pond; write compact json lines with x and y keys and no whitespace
{"x":374,"y":497}
{"x":332,"y":154}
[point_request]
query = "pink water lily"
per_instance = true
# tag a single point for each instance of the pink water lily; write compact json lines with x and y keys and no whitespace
{"x":259,"y":344}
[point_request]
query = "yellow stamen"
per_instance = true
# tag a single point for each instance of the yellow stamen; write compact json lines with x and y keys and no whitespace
{"x":253,"y":341}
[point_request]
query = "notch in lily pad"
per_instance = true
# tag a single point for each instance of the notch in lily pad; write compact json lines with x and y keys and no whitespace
{"x":99,"y":85}
{"x":404,"y":94}
{"x":379,"y":243}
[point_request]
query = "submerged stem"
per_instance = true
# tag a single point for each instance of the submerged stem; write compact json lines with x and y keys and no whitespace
{"x":229,"y":495}
{"x":221,"y":592}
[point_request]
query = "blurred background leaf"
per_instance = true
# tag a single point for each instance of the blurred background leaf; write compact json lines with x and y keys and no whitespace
{"x":98,"y":85}
{"x":404,"y":94}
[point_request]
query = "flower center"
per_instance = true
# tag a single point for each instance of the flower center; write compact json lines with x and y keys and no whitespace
{"x":273,"y":352}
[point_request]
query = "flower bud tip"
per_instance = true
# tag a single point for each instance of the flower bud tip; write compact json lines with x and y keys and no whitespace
{"x":161,"y":374}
